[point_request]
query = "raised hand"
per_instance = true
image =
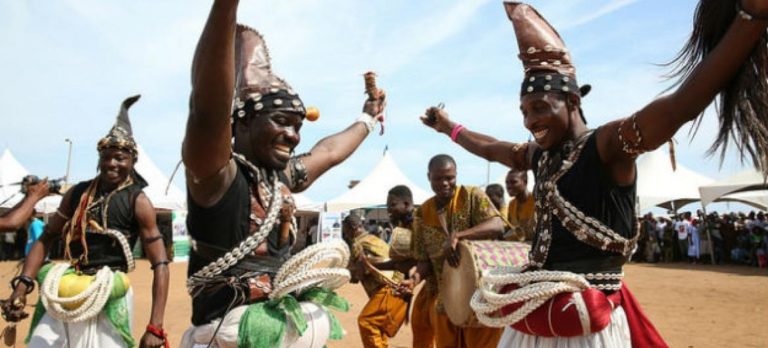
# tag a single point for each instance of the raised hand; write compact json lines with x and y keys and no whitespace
{"x":437,"y":118}
{"x":38,"y":190}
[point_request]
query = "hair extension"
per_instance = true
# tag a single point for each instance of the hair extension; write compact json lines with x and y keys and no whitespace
{"x":742,"y":105}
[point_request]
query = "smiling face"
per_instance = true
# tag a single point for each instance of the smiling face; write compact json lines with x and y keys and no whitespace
{"x":442,"y":179}
{"x":114,"y":166}
{"x":268,"y":140}
{"x":516,"y":182}
{"x":547,"y":117}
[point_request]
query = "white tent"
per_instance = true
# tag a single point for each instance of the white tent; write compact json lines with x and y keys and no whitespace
{"x":174,"y":199}
{"x":659,"y":185}
{"x":11,"y":172}
{"x":304,"y":203}
{"x":731,"y":188}
{"x":372,"y":190}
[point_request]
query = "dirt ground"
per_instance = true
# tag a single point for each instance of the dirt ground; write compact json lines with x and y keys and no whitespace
{"x":691,"y":305}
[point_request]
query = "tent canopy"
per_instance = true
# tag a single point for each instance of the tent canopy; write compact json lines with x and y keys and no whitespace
{"x":748,"y":180}
{"x":11,"y":172}
{"x":658,"y":185}
{"x":373,"y":189}
{"x":174,"y":199}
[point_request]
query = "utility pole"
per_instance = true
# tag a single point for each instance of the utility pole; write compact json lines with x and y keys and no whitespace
{"x":69,"y":161}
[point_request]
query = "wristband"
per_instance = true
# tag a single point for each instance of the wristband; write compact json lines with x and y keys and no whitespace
{"x":159,"y":333}
{"x":455,"y":131}
{"x":367,"y":120}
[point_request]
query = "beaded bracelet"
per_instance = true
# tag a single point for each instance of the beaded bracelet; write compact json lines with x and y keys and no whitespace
{"x":29,"y":282}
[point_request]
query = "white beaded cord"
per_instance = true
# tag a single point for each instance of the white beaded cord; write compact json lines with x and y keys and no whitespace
{"x":131,"y":263}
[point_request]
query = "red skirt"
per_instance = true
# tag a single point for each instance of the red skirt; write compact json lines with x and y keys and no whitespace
{"x":566,"y":316}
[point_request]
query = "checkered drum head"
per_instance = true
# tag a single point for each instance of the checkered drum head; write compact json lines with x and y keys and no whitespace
{"x":475,"y":259}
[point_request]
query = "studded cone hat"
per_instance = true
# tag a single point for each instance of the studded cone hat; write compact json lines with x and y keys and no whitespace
{"x":121,"y":134}
{"x":257,"y":88}
{"x":547,"y":62}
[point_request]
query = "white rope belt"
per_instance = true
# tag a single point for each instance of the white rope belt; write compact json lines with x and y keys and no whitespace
{"x":93,"y":298}
{"x":321,"y":265}
{"x":487,"y":301}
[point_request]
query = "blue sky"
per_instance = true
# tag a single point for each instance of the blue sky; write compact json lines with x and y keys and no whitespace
{"x":68,"y":64}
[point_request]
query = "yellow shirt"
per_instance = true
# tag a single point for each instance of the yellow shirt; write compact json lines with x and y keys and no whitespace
{"x":522,"y":217}
{"x":469,"y":207}
{"x":375,"y":249}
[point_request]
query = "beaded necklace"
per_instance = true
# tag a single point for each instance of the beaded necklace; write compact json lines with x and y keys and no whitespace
{"x":552,"y":165}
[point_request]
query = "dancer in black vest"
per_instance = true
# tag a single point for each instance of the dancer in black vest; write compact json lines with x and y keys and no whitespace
{"x":586,"y":179}
{"x":100,"y":220}
{"x":238,"y":155}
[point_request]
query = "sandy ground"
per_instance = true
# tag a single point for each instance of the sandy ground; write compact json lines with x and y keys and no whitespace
{"x":691,"y":305}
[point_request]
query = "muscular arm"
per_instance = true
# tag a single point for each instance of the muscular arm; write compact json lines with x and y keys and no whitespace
{"x":334,"y":149}
{"x":330,"y":151}
{"x":513,"y":155}
{"x":206,"y":149}
{"x":145,"y":215}
{"x":660,"y":120}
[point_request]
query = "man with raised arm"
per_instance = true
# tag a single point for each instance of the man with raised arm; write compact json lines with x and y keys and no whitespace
{"x":243,"y":127}
{"x":586,"y":178}
{"x":100,"y":220}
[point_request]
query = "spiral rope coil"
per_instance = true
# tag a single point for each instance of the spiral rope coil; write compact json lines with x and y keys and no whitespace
{"x":320,"y":265}
{"x":93,"y":298}
{"x":537,"y":288}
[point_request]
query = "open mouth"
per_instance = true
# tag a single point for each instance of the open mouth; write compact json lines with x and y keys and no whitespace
{"x":540,"y":133}
{"x":283,"y":151}
{"x":113,"y":174}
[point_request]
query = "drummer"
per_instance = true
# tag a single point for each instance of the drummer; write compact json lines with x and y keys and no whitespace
{"x":454,"y":213}
{"x":400,"y":208}
{"x":386,"y":309}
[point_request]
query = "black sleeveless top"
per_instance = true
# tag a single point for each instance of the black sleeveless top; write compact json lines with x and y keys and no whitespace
{"x":222,"y":227}
{"x":104,"y":250}
{"x":590,"y":188}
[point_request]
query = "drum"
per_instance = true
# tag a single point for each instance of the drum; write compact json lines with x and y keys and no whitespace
{"x":476,"y":258}
{"x":400,"y":244}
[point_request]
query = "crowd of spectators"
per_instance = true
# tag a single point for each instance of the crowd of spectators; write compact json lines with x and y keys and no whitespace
{"x":735,"y":238}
